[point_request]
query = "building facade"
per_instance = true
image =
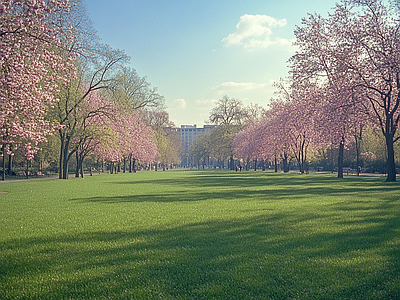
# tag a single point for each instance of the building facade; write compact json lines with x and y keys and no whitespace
{"x":188,"y":134}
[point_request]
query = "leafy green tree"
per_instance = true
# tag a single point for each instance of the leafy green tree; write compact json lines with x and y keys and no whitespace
{"x":201,"y":149}
{"x":168,"y":141}
{"x":229,"y":115}
{"x":135,"y":91}
{"x":47,"y":157}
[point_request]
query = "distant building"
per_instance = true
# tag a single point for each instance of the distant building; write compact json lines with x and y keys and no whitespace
{"x":188,"y":134}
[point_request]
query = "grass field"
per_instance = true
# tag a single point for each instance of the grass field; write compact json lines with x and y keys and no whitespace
{"x":200,"y":235}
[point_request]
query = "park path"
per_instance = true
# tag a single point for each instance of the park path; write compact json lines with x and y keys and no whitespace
{"x":42,"y":178}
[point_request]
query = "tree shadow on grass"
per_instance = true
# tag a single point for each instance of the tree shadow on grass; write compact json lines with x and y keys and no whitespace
{"x":259,"y":179}
{"x":250,"y":178}
{"x":267,"y":188}
{"x":269,"y":256}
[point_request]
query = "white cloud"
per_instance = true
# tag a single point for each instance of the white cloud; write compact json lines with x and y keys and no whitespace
{"x":179,"y":103}
{"x":238,"y":87}
{"x":206,"y":102}
{"x":255,"y":31}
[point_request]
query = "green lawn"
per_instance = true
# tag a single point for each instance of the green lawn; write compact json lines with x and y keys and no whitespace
{"x":200,"y":235}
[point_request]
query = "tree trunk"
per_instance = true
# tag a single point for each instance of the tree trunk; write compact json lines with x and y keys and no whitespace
{"x":130,"y":163}
{"x":10,"y":164}
{"x":301,"y":167}
{"x":77,"y":164}
{"x":4,"y":164}
{"x":285,"y":163}
{"x":60,"y":163}
{"x":255,"y":165}
{"x":232,"y":163}
{"x":27,"y":169}
{"x":391,"y":165}
{"x":263,"y":164}
{"x":340,"y":159}
{"x":303,"y":154}
{"x":358,"y":154}
{"x":133,"y":165}
{"x":300,"y":159}
{"x":65,"y":158}
{"x":276,"y":165}
{"x":124,"y":164}
{"x":81,"y":165}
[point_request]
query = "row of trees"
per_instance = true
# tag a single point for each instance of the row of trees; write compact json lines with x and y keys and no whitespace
{"x":57,"y":77}
{"x":344,"y":82}
{"x":271,"y":138}
{"x":230,"y":117}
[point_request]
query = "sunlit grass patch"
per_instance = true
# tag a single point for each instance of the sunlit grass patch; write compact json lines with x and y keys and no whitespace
{"x":200,"y":235}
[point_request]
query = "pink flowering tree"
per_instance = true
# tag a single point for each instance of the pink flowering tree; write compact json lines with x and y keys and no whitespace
{"x":131,"y":140}
{"x":97,"y":113}
{"x":286,"y":130}
{"x":265,"y":140}
{"x":355,"y":54}
{"x":30,"y":68}
{"x":136,"y":140}
{"x":96,"y":71}
{"x":278,"y":130}
{"x":246,"y":145}
{"x":305,"y":121}
{"x":339,"y":107}
{"x":241,"y":146}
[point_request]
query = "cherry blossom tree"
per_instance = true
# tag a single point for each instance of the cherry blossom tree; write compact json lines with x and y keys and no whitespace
{"x":167,"y":139}
{"x":138,"y":140}
{"x":278,"y":130}
{"x":287,"y":129}
{"x":266,"y":139}
{"x":355,"y":54}
{"x":246,"y":144}
{"x":97,"y":68}
{"x":241,"y":145}
{"x":97,"y":113}
{"x":133,"y":140}
{"x":30,"y":71}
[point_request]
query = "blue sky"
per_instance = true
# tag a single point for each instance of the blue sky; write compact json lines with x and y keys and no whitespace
{"x":196,"y":51}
